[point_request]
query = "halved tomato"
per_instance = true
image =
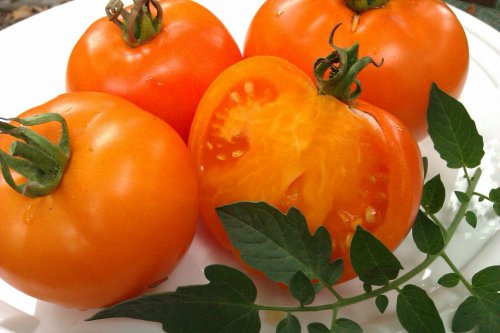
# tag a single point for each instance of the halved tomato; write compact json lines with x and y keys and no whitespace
{"x":262,"y":132}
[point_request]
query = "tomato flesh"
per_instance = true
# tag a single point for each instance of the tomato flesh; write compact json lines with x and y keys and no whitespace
{"x":258,"y":138}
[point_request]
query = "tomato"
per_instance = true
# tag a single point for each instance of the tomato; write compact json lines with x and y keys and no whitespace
{"x":420,"y":42}
{"x":261,"y":132}
{"x":120,"y":220}
{"x":167,"y":75}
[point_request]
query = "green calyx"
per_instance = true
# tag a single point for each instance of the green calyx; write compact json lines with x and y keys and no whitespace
{"x":364,"y":5}
{"x":336,"y":74}
{"x":33,"y":156}
{"x":140,"y":25}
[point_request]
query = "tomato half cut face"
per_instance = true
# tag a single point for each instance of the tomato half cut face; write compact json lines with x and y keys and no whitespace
{"x":262,"y":133}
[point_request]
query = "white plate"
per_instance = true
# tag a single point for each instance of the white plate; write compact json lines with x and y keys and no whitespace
{"x":32,"y":70}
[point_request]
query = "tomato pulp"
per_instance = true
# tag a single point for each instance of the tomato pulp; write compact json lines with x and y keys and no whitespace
{"x":262,"y":133}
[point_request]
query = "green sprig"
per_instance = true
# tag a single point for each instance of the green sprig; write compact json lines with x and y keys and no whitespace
{"x":282,"y":247}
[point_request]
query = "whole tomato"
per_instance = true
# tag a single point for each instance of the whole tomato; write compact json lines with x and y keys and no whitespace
{"x":420,"y":41}
{"x":164,"y":67}
{"x":262,"y":133}
{"x":122,"y":215}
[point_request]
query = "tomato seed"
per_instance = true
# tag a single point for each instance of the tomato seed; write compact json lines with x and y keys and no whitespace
{"x":249,"y":88}
{"x":370,"y":214}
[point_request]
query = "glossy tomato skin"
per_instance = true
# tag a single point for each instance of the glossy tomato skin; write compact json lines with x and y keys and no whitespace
{"x":420,"y":41}
{"x":262,"y":133}
{"x":166,"y":76}
{"x":120,"y":220}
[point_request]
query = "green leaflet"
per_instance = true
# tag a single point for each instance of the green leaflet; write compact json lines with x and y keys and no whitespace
{"x":225,"y":305}
{"x":449,"y":280}
{"x":483,"y":308}
{"x":279,"y":244}
{"x":453,"y":131}
{"x":302,"y":289}
{"x":289,"y":325}
{"x":344,"y":325}
{"x":471,"y":218}
{"x":427,"y":235}
{"x":481,"y":312}
{"x":494,"y":196}
{"x":381,"y":301}
{"x":462,"y":197}
{"x":317,"y":328}
{"x":433,"y":195}
{"x":372,"y":260}
{"x":416,"y":311}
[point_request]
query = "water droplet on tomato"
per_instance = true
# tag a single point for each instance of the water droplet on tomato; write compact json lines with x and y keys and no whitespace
{"x":154,"y":81}
{"x":29,"y":215}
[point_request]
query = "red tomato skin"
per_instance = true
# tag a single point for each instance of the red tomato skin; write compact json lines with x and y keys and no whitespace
{"x":121,"y":219}
{"x":420,"y":42}
{"x":166,"y":76}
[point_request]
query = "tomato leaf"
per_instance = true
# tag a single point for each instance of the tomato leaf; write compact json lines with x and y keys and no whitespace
{"x":367,"y":287}
{"x":467,"y":315}
{"x":427,"y":235}
{"x":381,"y":301}
{"x":417,"y":312}
{"x":317,"y":328}
{"x":482,"y":312}
{"x":374,"y":263}
{"x":496,"y":208}
{"x":453,"y":131}
{"x":425,"y":164}
{"x":462,"y":197}
{"x":449,"y":280}
{"x":487,"y":280}
{"x":344,"y":325}
{"x":289,"y":325}
{"x":433,"y":195}
{"x":471,"y":218}
{"x":302,"y":289}
{"x":486,"y":302}
{"x":225,"y":304}
{"x":279,"y":245}
{"x":494,"y":195}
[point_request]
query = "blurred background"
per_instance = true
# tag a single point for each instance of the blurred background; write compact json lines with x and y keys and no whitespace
{"x":12,"y":11}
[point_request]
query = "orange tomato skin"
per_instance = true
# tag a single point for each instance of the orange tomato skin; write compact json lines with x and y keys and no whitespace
{"x":166,"y":76}
{"x":122,"y":217}
{"x":420,"y":41}
{"x":261,"y":133}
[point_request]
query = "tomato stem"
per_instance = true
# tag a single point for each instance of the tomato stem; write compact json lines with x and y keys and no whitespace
{"x":33,"y":156}
{"x":336,"y":74}
{"x":138,"y":26}
{"x":364,"y":5}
